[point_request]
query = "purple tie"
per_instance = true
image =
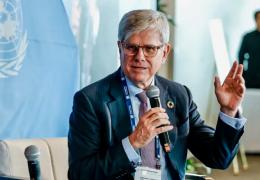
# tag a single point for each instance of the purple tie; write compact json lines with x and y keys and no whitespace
{"x":148,"y":152}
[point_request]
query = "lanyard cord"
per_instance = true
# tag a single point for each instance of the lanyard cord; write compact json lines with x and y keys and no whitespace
{"x":132,"y":118}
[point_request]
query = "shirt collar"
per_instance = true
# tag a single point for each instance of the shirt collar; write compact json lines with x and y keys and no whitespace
{"x":133,"y":89}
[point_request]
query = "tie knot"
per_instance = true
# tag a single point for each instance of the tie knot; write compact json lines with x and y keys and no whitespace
{"x":142,"y":97}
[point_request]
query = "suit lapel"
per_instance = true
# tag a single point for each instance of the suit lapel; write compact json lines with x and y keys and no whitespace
{"x":166,"y":99}
{"x":168,"y":102}
{"x":120,"y":119}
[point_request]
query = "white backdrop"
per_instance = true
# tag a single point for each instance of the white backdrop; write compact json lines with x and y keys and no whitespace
{"x":194,"y":63}
{"x":95,"y":24}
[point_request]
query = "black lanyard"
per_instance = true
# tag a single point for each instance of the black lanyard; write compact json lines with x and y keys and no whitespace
{"x":132,"y":118}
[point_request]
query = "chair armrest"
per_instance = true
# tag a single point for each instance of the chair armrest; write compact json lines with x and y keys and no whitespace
{"x":12,"y":178}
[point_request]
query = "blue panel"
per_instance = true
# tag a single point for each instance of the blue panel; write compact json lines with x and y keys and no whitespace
{"x":37,"y":85}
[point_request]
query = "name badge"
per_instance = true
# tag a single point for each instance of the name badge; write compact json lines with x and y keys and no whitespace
{"x":147,"y":173}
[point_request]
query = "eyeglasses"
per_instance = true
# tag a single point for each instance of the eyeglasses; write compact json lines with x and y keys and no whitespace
{"x":148,"y":50}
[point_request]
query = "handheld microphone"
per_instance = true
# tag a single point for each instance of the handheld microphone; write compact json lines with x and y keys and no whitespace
{"x":32,"y":154}
{"x":153,"y":93}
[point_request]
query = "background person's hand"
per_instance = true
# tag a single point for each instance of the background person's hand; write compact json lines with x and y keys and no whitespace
{"x":231,"y":93}
{"x":153,"y":122}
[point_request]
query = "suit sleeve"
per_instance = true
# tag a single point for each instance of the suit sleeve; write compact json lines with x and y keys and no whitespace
{"x":89,"y":156}
{"x":215,"y":148}
{"x":242,"y":50}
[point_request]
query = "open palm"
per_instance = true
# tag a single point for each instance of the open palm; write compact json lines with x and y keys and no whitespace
{"x":230,"y":94}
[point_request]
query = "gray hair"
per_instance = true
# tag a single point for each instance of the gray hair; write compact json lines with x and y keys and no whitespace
{"x":140,"y":20}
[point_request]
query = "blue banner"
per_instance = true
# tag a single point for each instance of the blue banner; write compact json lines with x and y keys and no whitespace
{"x":39,"y":69}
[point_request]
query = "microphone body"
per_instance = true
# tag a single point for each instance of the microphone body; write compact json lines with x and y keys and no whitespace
{"x":32,"y":155}
{"x":153,"y":93}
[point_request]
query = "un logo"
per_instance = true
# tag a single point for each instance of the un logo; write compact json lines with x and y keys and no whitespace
{"x":13,"y":38}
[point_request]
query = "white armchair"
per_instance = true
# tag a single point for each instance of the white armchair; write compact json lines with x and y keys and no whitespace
{"x":53,"y":158}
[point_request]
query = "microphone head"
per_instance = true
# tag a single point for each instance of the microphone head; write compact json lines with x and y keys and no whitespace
{"x":153,"y":91}
{"x":32,"y":153}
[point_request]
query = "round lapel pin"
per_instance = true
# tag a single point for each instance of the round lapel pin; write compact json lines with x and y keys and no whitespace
{"x":170,"y":104}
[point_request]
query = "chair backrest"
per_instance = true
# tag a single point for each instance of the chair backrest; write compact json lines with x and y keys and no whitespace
{"x":251,"y":110}
{"x":53,"y":158}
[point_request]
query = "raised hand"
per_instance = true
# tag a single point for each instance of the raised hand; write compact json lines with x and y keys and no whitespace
{"x":230,"y":94}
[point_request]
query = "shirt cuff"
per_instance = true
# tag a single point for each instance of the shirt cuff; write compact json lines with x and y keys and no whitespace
{"x":236,"y":123}
{"x":132,"y":155}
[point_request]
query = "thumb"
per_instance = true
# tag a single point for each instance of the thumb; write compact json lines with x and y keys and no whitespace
{"x":217,"y":83}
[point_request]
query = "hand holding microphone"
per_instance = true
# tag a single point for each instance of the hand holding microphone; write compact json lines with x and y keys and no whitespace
{"x":153,"y":94}
{"x":153,"y":122}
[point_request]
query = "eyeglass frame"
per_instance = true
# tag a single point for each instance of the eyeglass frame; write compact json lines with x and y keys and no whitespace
{"x":142,"y":47}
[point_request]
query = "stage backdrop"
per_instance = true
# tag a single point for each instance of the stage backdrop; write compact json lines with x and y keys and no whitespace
{"x":39,"y":70}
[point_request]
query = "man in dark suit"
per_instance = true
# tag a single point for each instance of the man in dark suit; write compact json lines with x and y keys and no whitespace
{"x":249,"y":55}
{"x":109,"y":134}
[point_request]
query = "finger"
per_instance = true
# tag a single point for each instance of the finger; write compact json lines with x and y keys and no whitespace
{"x":154,"y":120}
{"x":152,"y":111}
{"x":163,"y":129}
{"x":156,"y":109}
{"x":239,"y":79}
{"x":217,"y":83}
{"x":240,"y":69}
{"x":160,"y":122}
{"x":241,"y":89}
{"x":156,"y":116}
{"x":233,"y":70}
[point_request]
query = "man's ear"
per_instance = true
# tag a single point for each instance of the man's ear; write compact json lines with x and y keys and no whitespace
{"x":166,"y":51}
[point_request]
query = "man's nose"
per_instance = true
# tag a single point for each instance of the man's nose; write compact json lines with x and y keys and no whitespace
{"x":140,"y":55}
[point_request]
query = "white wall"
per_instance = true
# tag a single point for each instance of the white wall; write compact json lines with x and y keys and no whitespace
{"x":194,"y":63}
{"x":95,"y":23}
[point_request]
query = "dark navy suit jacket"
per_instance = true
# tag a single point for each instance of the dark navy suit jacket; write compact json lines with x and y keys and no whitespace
{"x":100,"y":120}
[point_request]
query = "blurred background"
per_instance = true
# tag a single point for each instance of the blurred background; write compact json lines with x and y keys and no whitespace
{"x":50,"y":49}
